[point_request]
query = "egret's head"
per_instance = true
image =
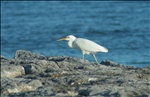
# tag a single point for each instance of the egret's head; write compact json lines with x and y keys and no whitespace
{"x":69,"y":37}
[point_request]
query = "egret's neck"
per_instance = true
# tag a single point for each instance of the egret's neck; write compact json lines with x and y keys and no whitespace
{"x":70,"y":42}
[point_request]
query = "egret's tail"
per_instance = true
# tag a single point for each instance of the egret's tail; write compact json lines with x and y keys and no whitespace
{"x":105,"y":50}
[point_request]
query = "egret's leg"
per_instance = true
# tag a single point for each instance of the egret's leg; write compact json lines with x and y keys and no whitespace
{"x":82,"y":55}
{"x":95,"y":58}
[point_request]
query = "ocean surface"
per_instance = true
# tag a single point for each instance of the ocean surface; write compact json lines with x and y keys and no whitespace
{"x":121,"y":26}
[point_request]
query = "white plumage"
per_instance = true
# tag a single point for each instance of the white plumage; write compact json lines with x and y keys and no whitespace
{"x":84,"y":45}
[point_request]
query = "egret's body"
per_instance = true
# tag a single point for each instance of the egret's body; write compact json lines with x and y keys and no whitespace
{"x":84,"y":45}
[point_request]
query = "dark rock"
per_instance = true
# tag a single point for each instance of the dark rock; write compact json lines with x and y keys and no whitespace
{"x":40,"y":66}
{"x":30,"y":75}
{"x":109,"y":63}
{"x":2,"y":58}
{"x":50,"y":70}
{"x":30,"y":69}
{"x":79,"y":67}
{"x":43,"y":74}
{"x":56,"y":59}
{"x":22,"y":54}
{"x":84,"y":92}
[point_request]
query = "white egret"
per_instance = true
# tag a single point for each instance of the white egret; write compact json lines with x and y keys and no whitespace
{"x":84,"y":45}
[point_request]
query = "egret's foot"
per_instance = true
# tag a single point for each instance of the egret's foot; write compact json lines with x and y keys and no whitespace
{"x":97,"y":63}
{"x":82,"y":60}
{"x":95,"y":58}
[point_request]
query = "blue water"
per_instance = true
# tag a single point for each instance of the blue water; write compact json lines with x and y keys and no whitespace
{"x":121,"y":26}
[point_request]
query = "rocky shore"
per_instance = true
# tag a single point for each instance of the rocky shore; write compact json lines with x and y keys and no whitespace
{"x":32,"y":75}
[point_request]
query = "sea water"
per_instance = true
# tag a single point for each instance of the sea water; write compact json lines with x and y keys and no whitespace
{"x":121,"y":26}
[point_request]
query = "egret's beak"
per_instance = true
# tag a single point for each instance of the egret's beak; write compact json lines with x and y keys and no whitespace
{"x":62,"y":39}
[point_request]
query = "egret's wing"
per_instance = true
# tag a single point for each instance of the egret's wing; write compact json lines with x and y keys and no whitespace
{"x":89,"y":46}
